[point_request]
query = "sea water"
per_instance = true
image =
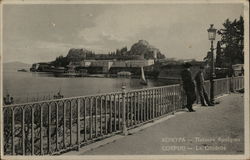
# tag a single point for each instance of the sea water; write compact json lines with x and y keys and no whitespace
{"x":36,"y":86}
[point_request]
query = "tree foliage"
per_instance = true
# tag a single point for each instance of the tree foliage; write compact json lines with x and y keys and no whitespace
{"x":219,"y":55}
{"x":232,"y":38}
{"x":60,"y":61}
{"x":208,"y":58}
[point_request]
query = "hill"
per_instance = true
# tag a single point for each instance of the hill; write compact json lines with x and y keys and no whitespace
{"x":140,"y":50}
{"x":78,"y":54}
{"x":142,"y":47}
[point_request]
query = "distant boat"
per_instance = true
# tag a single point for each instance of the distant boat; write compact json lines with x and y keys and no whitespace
{"x":143,"y":79}
{"x":22,"y":70}
{"x":58,"y":70}
{"x":124,"y":74}
{"x":71,"y":74}
{"x":97,"y":75}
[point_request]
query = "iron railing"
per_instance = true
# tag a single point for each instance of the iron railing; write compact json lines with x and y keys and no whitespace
{"x":221,"y":86}
{"x":237,"y":83}
{"x":56,"y":126}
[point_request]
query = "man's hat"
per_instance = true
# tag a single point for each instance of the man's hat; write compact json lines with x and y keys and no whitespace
{"x":187,"y":65}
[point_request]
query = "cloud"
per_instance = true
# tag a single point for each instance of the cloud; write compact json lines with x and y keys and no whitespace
{"x":38,"y":51}
{"x":122,"y":24}
{"x":48,"y":31}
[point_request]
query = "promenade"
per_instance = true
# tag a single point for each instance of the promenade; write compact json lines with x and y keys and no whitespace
{"x":209,"y":130}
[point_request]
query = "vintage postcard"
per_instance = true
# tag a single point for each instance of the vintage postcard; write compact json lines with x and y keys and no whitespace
{"x":124,"y":79}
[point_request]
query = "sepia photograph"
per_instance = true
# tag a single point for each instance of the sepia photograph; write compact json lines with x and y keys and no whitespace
{"x":124,"y":79}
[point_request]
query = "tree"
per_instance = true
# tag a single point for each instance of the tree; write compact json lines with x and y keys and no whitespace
{"x":61,"y":61}
{"x":208,"y":58}
{"x":219,"y":55}
{"x":232,"y":37}
{"x":124,"y":50}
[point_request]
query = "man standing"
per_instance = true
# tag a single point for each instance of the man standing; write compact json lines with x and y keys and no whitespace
{"x":199,"y":78}
{"x":188,"y":86}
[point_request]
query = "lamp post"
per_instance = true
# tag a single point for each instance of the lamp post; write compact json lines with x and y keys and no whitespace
{"x":211,"y":36}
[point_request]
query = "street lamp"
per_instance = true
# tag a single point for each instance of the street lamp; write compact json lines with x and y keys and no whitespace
{"x":211,"y":36}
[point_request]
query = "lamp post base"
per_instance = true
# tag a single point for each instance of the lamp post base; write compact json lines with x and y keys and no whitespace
{"x":212,"y":91}
{"x":124,"y":130}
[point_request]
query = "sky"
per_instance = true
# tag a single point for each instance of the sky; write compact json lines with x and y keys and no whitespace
{"x":40,"y":32}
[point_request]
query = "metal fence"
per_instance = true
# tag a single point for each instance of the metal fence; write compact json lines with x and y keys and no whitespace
{"x":221,"y":86}
{"x":56,"y":126}
{"x":236,"y":83}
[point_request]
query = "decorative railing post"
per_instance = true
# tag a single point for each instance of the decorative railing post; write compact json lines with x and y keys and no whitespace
{"x":182,"y":96}
{"x":124,"y":127}
{"x":32,"y":131}
{"x":242,"y":83}
{"x":64,"y":124}
{"x":174,"y":100}
{"x":41,"y":130}
{"x":110,"y":114}
{"x":13,"y":131}
{"x":49,"y":130}
{"x":231,"y":84}
{"x":70,"y":125}
{"x":78,"y":124}
{"x":153,"y":102}
{"x":57,"y":128}
{"x":228,"y":85}
{"x":23,"y":130}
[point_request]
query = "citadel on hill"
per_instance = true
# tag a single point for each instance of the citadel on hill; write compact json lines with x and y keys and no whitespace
{"x":140,"y":50}
{"x":83,"y":62}
{"x":141,"y":54}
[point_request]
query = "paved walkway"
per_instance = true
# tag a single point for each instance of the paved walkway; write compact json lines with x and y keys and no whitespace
{"x":209,"y":130}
